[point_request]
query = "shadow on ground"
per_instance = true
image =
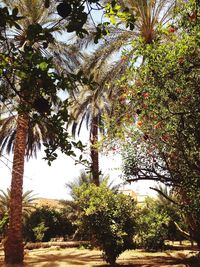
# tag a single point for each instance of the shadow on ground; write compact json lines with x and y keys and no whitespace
{"x":76,"y":258}
{"x":57,"y":257}
{"x":73,"y":258}
{"x":158,"y":261}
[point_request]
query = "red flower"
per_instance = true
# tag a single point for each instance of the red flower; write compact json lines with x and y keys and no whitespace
{"x":172,"y":29}
{"x":145,"y":94}
{"x":158,"y":125}
{"x":139,"y":123}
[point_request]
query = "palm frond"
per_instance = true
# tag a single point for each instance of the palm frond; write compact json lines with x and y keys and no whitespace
{"x":27,"y":200}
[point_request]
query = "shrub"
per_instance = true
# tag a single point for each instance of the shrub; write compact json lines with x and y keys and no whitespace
{"x":3,"y":224}
{"x":152,"y":226}
{"x":39,"y":231}
{"x":45,"y":223}
{"x":107,"y":217}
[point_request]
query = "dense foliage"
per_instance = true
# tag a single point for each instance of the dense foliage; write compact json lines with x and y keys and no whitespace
{"x":45,"y":223}
{"x":109,"y":219}
{"x":152,"y":230}
{"x":163,"y":98}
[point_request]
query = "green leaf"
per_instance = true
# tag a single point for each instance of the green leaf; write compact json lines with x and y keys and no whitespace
{"x":112,"y":19}
{"x":22,"y":75}
{"x":43,"y":66}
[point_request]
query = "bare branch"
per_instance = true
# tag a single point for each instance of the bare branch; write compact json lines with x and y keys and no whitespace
{"x":165,"y":196}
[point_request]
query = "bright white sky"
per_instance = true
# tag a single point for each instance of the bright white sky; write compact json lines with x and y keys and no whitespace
{"x":49,"y":181}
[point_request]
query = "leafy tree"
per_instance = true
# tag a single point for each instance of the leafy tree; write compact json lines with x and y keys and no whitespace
{"x":24,"y":67}
{"x":45,"y":223}
{"x":72,"y":209}
{"x":107,"y":217}
{"x":168,"y":201}
{"x":41,"y":28}
{"x":166,"y":107}
{"x":77,"y":12}
{"x":152,"y":226}
{"x":39,"y":231}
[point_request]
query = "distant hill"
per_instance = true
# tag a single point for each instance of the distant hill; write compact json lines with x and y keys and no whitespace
{"x":51,"y":203}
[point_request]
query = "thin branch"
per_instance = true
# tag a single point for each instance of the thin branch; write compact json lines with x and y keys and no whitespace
{"x":184,"y":233}
{"x":165,"y":196}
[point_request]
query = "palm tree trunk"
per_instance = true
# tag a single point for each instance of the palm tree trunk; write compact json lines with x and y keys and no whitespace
{"x":14,"y":251}
{"x":94,"y":151}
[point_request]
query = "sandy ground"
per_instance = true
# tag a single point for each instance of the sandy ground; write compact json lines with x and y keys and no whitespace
{"x":73,"y":257}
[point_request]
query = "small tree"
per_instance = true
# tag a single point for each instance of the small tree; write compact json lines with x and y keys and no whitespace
{"x":39,"y":231}
{"x":152,"y":226}
{"x":109,"y":218}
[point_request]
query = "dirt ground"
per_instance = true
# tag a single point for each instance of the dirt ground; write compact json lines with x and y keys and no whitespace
{"x":74,"y":257}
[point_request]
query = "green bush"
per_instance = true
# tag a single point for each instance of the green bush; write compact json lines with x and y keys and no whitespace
{"x":39,"y":231}
{"x":3,"y":224}
{"x":152,"y":225}
{"x":45,"y":223}
{"x":107,"y":217}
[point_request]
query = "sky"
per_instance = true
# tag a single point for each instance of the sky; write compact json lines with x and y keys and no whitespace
{"x":49,"y":181}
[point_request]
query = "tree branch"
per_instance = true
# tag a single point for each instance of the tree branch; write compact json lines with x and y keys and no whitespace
{"x":184,"y":233}
{"x":165,"y":196}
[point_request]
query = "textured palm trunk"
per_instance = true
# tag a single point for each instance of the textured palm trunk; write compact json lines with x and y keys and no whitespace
{"x":14,"y":251}
{"x":94,"y":151}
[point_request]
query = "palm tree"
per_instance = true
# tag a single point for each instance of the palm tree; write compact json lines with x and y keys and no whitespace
{"x":28,"y":206}
{"x":86,"y":178}
{"x":27,"y":201}
{"x":37,"y":133}
{"x":14,"y":240}
{"x":34,"y":13}
{"x":94,"y":102}
{"x":150,"y":17}
{"x":165,"y":195}
{"x":89,"y":105}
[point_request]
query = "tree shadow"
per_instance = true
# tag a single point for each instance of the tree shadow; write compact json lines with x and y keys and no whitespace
{"x":158,"y":261}
{"x":75,"y":258}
